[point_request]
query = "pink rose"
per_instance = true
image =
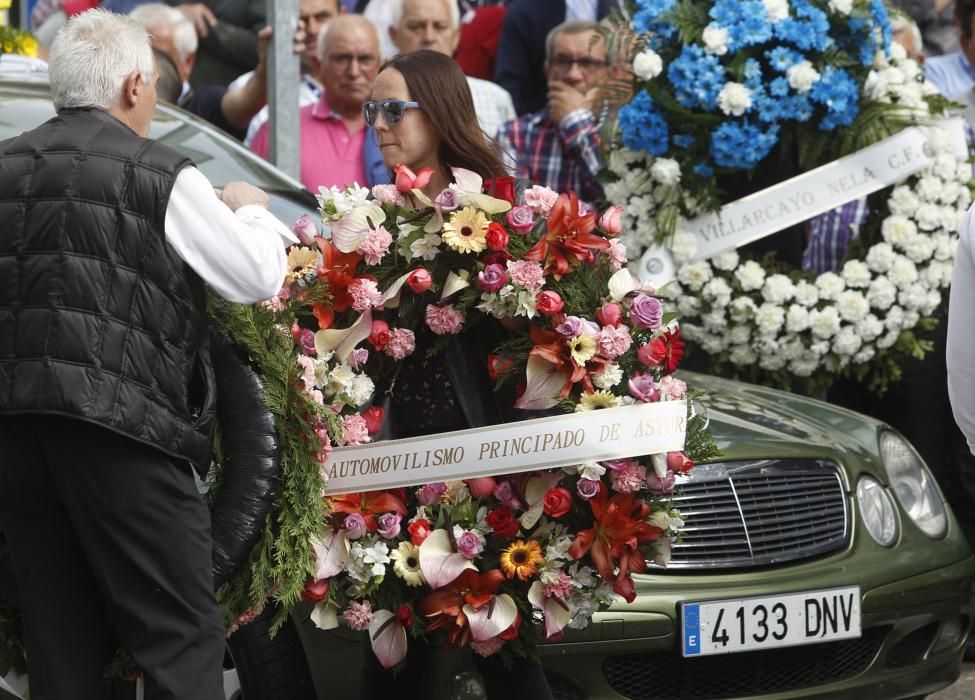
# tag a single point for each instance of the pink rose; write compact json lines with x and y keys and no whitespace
{"x":407,"y":180}
{"x":506,"y":495}
{"x":419,"y":280}
{"x":662,"y":486}
{"x":587,"y":488}
{"x":388,"y":525}
{"x":610,"y":315}
{"x":355,"y":526}
{"x":679,"y":462}
{"x":444,"y":320}
{"x":379,"y":335}
{"x":492,"y":278}
{"x":307,"y":341}
{"x":643,"y":388}
{"x":520,"y":219}
{"x":496,"y":237}
{"x":447,"y":200}
{"x":548,"y":303}
{"x":468,"y":543}
{"x":611,"y":221}
{"x":432,"y":493}
{"x":481,"y":487}
{"x":305,"y":229}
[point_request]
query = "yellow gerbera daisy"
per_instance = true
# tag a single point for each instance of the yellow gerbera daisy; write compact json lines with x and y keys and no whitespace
{"x":582,"y":348}
{"x":406,"y":563}
{"x":521,"y":559}
{"x":301,"y":261}
{"x":596,"y":400}
{"x":466,"y":230}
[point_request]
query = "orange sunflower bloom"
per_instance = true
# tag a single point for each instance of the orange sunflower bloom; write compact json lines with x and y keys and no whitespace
{"x":521,"y":559}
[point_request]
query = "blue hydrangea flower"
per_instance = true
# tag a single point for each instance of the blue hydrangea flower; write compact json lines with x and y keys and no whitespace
{"x":779,"y":87}
{"x":697,"y":78}
{"x":782,"y":58}
{"x":646,"y":20}
{"x":643,"y":127}
{"x":837,"y":91}
{"x":747,"y":21}
{"x":740,"y":145}
{"x":808,"y":30}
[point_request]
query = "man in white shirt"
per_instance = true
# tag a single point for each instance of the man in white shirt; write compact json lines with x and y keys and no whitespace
{"x":106,"y":407}
{"x":435,"y":25}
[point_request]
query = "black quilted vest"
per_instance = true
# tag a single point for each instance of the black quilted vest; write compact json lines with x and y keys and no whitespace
{"x":100,"y":319}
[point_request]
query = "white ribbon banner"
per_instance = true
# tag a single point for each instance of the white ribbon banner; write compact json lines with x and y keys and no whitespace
{"x":542,"y":443}
{"x":801,"y":198}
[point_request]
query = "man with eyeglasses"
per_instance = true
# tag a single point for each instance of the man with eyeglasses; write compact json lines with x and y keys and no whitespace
{"x":337,"y":147}
{"x":559,"y":146}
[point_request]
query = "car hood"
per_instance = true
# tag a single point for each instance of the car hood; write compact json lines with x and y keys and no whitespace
{"x":753,"y":422}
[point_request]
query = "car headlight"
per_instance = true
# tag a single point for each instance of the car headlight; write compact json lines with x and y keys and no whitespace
{"x":913,"y":485}
{"x":877,"y":510}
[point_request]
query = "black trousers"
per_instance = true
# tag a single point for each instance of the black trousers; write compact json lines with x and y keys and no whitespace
{"x":110,"y":544}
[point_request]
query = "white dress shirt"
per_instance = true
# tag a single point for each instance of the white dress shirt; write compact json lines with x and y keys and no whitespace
{"x":961,"y":333}
{"x":240,"y":254}
{"x":580,"y":9}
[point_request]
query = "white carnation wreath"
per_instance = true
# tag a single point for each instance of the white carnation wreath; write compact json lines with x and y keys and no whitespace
{"x":765,"y":325}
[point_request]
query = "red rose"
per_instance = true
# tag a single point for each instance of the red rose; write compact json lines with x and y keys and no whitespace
{"x":548,"y":303}
{"x":557,"y":502}
{"x":419,"y":280}
{"x":374,"y":418}
{"x":496,"y":236}
{"x":499,"y":257}
{"x":419,"y":530}
{"x":610,"y":315}
{"x":679,"y":463}
{"x":379,"y":335}
{"x":501,"y":188}
{"x":404,"y":616}
{"x":315,"y":590}
{"x":503,"y":522}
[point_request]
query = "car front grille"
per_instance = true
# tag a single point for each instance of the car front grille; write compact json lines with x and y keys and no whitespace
{"x":669,"y":677}
{"x":749,"y":514}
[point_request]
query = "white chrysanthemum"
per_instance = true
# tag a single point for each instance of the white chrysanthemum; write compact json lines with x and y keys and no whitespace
{"x":718,"y":291}
{"x":361,"y":389}
{"x":695,"y":275}
{"x":870,"y":328}
{"x":852,"y":306}
{"x":797,"y":319}
{"x":715,"y":320}
{"x":793,"y":349}
{"x":944,"y":246}
{"x":929,"y":187}
{"x":740,"y":335}
{"x":882,"y":293}
{"x":683,"y":246}
{"x":803,"y":368}
{"x":928,"y":217}
{"x":902,"y":272}
{"x":888,"y":339}
{"x":777,"y":10}
{"x":806,"y":293}
{"x":913,"y":297}
{"x":688,"y":305}
{"x":865,"y":355}
{"x":847,"y":342}
{"x":743,"y":355}
{"x":919,"y":248}
{"x":829,"y":285}
{"x":898,"y":229}
{"x":951,"y":218}
{"x":802,"y":76}
{"x":751,"y":276}
{"x":933,"y":302}
{"x":903,"y":201}
{"x":726,"y":261}
{"x":951,"y":192}
{"x":932,"y":274}
{"x":856,"y":274}
{"x":769,"y":318}
{"x":608,"y":377}
{"x":880,"y":257}
{"x":711,"y":343}
{"x":666,"y":171}
{"x":734,"y":99}
{"x":875,"y":87}
{"x":898,"y":53}
{"x":824,"y":323}
{"x":742,"y":309}
{"x":778,"y":289}
{"x":715,"y":40}
{"x":894,"y":320}
{"x":772,"y":361}
{"x":647,"y":64}
{"x":843,"y":7}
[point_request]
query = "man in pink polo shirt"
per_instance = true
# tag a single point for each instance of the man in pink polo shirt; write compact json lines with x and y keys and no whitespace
{"x":337,"y":148}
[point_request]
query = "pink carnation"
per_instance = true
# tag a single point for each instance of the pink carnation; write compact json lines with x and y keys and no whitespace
{"x":527,"y":274}
{"x":401,"y":343}
{"x":561,"y":589}
{"x":630,"y":479}
{"x":674,"y":389}
{"x":388,"y":194}
{"x":613,"y":341}
{"x":617,"y":255}
{"x":365,"y":294}
{"x":541,"y":199}
{"x":307,"y":375}
{"x":275,"y":304}
{"x":444,"y":320}
{"x":354,"y":430}
{"x":375,"y":244}
{"x":488,"y":647}
{"x":358,"y":615}
{"x":324,"y":443}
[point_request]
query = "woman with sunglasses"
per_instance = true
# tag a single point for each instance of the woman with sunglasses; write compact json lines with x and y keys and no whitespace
{"x":423,"y":114}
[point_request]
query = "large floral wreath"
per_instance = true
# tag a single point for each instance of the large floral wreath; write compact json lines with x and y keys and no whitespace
{"x":721,"y":88}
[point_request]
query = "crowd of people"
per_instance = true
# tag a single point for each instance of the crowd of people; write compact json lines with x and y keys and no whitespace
{"x":495,"y":88}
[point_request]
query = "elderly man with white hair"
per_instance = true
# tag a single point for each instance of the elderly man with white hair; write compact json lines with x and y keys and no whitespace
{"x":173,"y":34}
{"x":106,"y":402}
{"x":435,"y":25}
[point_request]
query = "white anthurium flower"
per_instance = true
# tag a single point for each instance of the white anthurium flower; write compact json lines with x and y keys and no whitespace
{"x":325,"y":615}
{"x":622,"y":283}
{"x":493,"y":618}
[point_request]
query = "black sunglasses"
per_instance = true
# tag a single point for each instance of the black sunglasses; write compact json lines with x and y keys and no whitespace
{"x":393,"y":110}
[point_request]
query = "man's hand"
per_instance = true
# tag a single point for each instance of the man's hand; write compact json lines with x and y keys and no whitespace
{"x":200,"y":15}
{"x":237,"y":194}
{"x":563,"y":99}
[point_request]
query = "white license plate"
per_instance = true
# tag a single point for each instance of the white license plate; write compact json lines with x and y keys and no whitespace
{"x":746,"y":624}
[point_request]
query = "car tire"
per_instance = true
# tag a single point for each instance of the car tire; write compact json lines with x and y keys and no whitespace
{"x":270,"y":668}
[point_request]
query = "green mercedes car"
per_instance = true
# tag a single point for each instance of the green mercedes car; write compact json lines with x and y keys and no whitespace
{"x":819,"y":558}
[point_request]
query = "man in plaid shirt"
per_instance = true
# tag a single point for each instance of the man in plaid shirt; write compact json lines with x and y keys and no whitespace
{"x":558,"y":147}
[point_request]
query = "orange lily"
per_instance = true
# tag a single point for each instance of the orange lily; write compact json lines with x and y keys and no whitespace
{"x":445,"y":606}
{"x":551,"y":346}
{"x":614,"y":540}
{"x":569,"y":238}
{"x":369,"y":504}
{"x":339,"y":269}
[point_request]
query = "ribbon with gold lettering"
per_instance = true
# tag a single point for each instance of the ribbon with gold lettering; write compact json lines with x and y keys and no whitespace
{"x":802,"y":197}
{"x":542,"y":443}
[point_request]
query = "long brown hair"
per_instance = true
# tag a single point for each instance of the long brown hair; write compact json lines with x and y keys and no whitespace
{"x":439,"y":85}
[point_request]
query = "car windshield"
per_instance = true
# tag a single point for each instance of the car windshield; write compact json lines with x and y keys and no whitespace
{"x":221,"y":158}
